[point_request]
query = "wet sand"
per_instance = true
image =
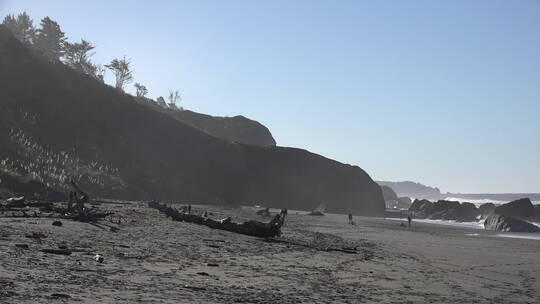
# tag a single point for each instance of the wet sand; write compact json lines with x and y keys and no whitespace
{"x":151,"y":259}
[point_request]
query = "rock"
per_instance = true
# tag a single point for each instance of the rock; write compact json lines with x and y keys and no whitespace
{"x":36,"y":235}
{"x":421,"y":208}
{"x":444,"y":210}
{"x":60,"y":296}
{"x":487,"y":209}
{"x":23,"y":246}
{"x":467,"y":212}
{"x":521,"y":208}
{"x":316,"y":213}
{"x":57,"y":251}
{"x":498,"y":222}
{"x":99,"y":258}
{"x":57,"y":223}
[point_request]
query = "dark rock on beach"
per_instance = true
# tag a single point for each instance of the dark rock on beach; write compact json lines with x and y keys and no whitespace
{"x":467,"y":212}
{"x":521,"y":208}
{"x":504,"y":223}
{"x":453,"y":210}
{"x":421,"y":208}
{"x":445,"y":210}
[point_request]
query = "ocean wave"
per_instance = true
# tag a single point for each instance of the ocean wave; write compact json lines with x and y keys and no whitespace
{"x":479,"y":202}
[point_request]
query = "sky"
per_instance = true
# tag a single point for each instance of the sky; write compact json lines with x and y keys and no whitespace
{"x":446,"y":93}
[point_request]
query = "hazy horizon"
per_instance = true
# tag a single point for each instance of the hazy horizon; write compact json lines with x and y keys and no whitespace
{"x":446,"y":94}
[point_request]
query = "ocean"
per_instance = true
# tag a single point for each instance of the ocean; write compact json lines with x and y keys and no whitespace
{"x":479,"y":202}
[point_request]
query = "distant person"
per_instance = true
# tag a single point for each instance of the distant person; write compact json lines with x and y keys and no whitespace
{"x":350,"y":219}
{"x":409,"y":219}
{"x":189,"y":209}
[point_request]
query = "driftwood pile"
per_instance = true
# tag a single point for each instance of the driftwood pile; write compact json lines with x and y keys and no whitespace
{"x":253,"y":228}
{"x":77,"y":208}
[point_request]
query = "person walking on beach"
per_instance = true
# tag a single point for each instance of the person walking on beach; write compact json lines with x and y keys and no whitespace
{"x":409,"y":219}
{"x":350,"y":219}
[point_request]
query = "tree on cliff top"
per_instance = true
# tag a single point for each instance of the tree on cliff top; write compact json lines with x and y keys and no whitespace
{"x":50,"y":39}
{"x":122,"y":70}
{"x":21,"y":26}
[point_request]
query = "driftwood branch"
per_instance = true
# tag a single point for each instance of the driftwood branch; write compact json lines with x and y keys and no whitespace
{"x":253,"y":228}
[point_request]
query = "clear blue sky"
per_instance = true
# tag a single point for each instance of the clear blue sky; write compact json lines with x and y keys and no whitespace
{"x":446,"y":93}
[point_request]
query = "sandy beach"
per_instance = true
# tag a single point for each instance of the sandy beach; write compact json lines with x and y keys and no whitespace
{"x":150,"y":259}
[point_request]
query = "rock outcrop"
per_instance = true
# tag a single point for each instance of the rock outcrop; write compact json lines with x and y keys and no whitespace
{"x":521,"y":208}
{"x":467,"y":212}
{"x":499,"y":222}
{"x":421,"y":208}
{"x":445,"y":210}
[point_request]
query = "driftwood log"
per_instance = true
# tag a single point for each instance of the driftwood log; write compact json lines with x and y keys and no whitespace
{"x":253,"y":228}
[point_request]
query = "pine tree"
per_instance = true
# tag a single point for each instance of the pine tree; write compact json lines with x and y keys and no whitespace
{"x":50,"y":39}
{"x":22,"y":27}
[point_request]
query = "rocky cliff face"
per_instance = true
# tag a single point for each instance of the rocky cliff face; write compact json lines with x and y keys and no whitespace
{"x":56,"y":123}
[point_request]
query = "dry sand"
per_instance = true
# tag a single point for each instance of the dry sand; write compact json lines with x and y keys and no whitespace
{"x":151,"y":259}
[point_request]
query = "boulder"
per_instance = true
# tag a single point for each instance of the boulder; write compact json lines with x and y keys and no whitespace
{"x":486,"y":209}
{"x":421,"y":208}
{"x":444,"y":210}
{"x":498,"y":222}
{"x":521,"y":208}
{"x":467,"y":212}
{"x":537,"y":211}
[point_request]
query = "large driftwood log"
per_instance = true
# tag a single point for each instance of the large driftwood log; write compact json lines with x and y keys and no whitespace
{"x":253,"y":228}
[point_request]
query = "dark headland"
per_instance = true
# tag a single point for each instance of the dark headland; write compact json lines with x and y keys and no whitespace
{"x":53,"y":118}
